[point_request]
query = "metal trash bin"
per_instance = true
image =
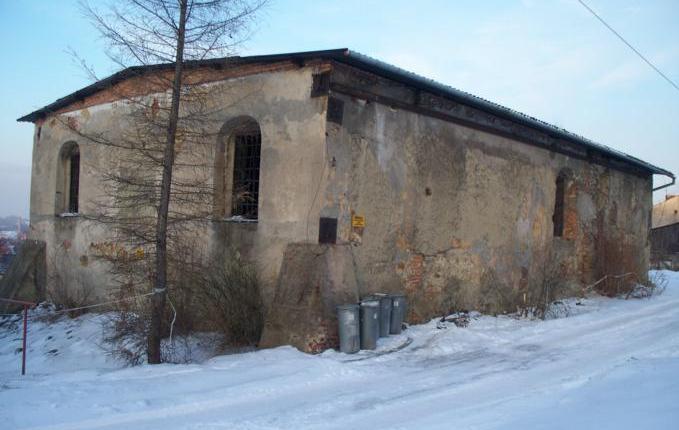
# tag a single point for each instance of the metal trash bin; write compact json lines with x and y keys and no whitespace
{"x":385,"y":314}
{"x":385,"y":311}
{"x":370,"y":323}
{"x":398,"y":313}
{"x":349,"y":328}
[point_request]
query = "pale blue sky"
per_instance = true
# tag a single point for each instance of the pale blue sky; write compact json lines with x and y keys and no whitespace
{"x":550,"y":59}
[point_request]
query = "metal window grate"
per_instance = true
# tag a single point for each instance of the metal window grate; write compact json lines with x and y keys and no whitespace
{"x":246,"y":175}
{"x":74,"y":182}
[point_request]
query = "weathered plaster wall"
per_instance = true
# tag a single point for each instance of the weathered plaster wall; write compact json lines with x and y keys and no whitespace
{"x":456,"y":217}
{"x":462,"y":219}
{"x":68,"y":238}
{"x":292,"y":126}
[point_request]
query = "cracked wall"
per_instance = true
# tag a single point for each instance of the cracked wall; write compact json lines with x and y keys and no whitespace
{"x":462,"y":219}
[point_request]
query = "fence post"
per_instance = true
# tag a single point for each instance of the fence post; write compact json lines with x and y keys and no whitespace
{"x":23,"y":348}
{"x":26,"y":305}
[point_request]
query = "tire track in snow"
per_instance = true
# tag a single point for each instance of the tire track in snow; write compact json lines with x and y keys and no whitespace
{"x":426,"y":399}
{"x":425,"y":386}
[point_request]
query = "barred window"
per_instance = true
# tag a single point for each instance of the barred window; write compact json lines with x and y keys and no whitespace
{"x":236,"y":170}
{"x":245,"y":197}
{"x":74,"y":181}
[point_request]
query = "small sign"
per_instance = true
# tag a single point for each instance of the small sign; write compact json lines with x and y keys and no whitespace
{"x":357,"y":221}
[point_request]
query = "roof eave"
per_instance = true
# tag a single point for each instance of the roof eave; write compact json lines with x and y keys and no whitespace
{"x":389,"y":71}
{"x":135,"y":70}
{"x":404,"y":76}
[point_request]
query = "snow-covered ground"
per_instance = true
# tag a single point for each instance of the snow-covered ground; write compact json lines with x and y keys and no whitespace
{"x":8,"y":234}
{"x":612,"y":364}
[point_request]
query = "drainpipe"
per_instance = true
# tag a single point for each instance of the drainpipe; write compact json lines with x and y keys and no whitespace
{"x":666,"y":185}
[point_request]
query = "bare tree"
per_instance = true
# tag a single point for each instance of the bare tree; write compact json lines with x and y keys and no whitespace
{"x":147,"y":201}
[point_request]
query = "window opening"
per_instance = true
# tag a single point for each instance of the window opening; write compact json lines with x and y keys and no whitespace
{"x":558,"y":217}
{"x":74,"y":182}
{"x":246,"y":175}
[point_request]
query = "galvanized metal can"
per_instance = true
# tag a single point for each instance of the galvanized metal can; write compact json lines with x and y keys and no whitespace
{"x":370,"y":323}
{"x":398,"y":313}
{"x":349,"y":328}
{"x":385,"y":314}
{"x":385,"y":311}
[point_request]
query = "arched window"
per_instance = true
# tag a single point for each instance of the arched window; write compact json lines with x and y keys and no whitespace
{"x":68,"y":179}
{"x":237,"y":169}
{"x":560,"y":204}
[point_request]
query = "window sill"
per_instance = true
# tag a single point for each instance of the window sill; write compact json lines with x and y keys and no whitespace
{"x":68,"y":215}
{"x":238,"y":220}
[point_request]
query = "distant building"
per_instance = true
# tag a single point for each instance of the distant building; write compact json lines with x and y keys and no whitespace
{"x":10,"y":240}
{"x":7,"y":251}
{"x":665,"y":233}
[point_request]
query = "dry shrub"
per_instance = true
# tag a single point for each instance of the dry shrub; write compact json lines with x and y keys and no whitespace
{"x":127,"y":324}
{"x":544,"y":289}
{"x":217,"y":298}
{"x":617,"y":267}
{"x":126,"y":330}
{"x":222,"y":296}
{"x":655,"y":284}
{"x":126,"y":327}
{"x":537,"y":294}
{"x":619,"y":270}
{"x":71,"y":295}
{"x":231,"y":302}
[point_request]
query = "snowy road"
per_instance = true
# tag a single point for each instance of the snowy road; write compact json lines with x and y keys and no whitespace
{"x":613,"y":365}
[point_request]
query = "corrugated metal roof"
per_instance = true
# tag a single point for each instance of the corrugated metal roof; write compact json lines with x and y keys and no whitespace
{"x":372,"y":65}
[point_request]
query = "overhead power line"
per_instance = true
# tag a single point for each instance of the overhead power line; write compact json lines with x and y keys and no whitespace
{"x":647,"y":61}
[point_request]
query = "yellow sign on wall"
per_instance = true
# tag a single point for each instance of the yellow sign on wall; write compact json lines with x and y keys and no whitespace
{"x":357,"y":221}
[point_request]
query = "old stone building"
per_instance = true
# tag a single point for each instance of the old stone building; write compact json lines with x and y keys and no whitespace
{"x":366,"y":178}
{"x":665,"y":233}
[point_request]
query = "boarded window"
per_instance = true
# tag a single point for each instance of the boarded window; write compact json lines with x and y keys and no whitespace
{"x":559,"y":206}
{"x":245,"y":196}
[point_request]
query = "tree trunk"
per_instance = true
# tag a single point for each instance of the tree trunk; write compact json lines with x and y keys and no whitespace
{"x":160,"y":287}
